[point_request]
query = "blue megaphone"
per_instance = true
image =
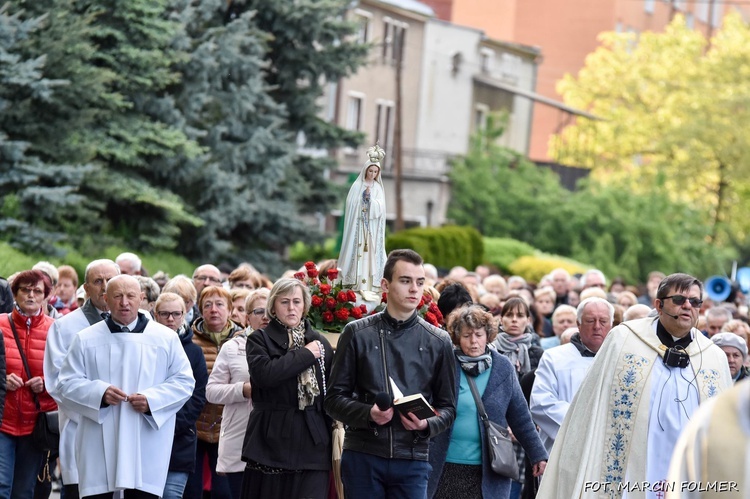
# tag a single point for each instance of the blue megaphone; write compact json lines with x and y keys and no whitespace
{"x":718,"y":288}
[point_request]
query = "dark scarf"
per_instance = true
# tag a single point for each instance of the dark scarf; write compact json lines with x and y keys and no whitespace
{"x":140,"y":326}
{"x":575,"y":340}
{"x":474,"y":366}
{"x":307,"y":382}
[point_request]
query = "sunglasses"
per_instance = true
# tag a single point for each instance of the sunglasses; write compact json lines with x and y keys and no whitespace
{"x":680,"y":299}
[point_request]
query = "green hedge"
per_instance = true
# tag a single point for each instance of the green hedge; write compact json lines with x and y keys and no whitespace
{"x":533,"y":268}
{"x":443,"y":247}
{"x":501,"y":252}
{"x":12,"y":260}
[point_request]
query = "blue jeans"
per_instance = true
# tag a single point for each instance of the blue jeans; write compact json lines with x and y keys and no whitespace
{"x":365,"y":475}
{"x":175,"y":485}
{"x":219,"y":484}
{"x":20,"y":462}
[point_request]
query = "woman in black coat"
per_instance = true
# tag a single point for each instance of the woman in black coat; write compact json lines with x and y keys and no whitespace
{"x":287,"y":445}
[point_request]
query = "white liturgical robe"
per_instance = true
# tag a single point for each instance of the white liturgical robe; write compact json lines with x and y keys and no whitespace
{"x":116,"y":446}
{"x":561,"y":371}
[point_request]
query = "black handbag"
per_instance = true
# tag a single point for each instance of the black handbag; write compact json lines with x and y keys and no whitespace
{"x":502,"y":455}
{"x":46,"y":433}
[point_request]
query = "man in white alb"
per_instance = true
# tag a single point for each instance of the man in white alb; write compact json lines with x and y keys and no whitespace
{"x":59,"y":337}
{"x":126,"y":377}
{"x":644,"y":385}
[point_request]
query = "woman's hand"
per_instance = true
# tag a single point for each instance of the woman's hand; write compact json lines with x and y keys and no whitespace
{"x":13,"y":382}
{"x":247,"y":390}
{"x":538,"y":468}
{"x":36,"y":384}
{"x":316,"y":348}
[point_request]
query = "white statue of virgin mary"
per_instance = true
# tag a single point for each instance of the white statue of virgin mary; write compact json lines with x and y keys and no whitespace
{"x":362,"y":256}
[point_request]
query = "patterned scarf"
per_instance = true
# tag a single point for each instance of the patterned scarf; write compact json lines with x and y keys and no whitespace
{"x":307,"y":383}
{"x":516,"y":348}
{"x":474,"y":366}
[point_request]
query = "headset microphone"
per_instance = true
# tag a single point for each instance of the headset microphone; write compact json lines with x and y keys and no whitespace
{"x":675,"y":317}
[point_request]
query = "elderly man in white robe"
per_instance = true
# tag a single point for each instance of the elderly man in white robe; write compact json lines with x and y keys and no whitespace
{"x":126,"y":377}
{"x":562,"y":369}
{"x":644,"y":385}
{"x":59,"y":337}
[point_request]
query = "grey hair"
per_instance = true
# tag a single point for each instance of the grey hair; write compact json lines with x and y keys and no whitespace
{"x":96,"y":263}
{"x":132,"y":258}
{"x":718,"y":312}
{"x":595,"y":299}
{"x":590,"y":273}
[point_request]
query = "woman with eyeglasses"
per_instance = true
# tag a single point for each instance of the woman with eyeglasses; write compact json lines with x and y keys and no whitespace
{"x":169,"y":310}
{"x":212,"y":331}
{"x":229,"y":384}
{"x":24,"y":393}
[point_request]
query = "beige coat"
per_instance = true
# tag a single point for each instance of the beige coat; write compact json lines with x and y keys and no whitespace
{"x":224,"y":387}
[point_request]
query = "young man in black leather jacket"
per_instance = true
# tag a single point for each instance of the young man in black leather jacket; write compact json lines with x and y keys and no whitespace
{"x":386,"y":453}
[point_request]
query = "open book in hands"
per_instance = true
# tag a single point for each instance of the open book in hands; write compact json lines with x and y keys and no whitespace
{"x":416,"y":404}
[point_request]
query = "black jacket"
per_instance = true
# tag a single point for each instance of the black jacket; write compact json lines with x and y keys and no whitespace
{"x":419,"y":359}
{"x":279,"y":434}
{"x":185,"y":433}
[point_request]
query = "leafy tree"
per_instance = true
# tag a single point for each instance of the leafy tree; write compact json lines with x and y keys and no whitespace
{"x":309,"y":45}
{"x":608,"y":226}
{"x":674,"y":112}
{"x":251,"y":186}
{"x":500,"y":192}
{"x":136,"y":140}
{"x":35,"y":194}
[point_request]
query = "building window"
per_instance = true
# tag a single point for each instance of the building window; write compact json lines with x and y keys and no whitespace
{"x":510,"y":68}
{"x":648,"y":6}
{"x":485,"y":60}
{"x":717,"y":12}
{"x":384,"y":124}
{"x":700,"y":9}
{"x":364,"y":21}
{"x":481,"y":111}
{"x":354,"y":112}
{"x":689,"y":20}
{"x":680,"y":5}
{"x":394,"y":40}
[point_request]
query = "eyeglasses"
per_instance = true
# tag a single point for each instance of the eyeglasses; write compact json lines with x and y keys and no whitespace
{"x":243,"y":285}
{"x":165,"y":315}
{"x":217,"y":304}
{"x":205,"y":278}
{"x":32,"y":291}
{"x":680,"y":299}
{"x":259,"y":311}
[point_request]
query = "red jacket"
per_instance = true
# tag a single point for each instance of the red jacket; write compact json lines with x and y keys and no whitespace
{"x":20,"y":411}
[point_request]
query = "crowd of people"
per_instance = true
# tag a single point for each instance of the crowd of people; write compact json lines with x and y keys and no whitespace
{"x":218,"y":385}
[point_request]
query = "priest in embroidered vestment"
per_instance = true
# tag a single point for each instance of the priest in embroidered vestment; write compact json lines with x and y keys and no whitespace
{"x":646,"y":381}
{"x":127,"y":377}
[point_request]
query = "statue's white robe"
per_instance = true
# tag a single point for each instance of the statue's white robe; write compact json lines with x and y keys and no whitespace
{"x":603,"y":441}
{"x":116,"y":446}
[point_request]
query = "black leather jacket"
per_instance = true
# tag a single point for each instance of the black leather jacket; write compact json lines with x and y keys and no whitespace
{"x":419,"y":358}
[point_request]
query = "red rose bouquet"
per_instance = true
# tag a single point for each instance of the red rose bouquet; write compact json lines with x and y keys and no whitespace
{"x":427,"y":309}
{"x":331,"y":306}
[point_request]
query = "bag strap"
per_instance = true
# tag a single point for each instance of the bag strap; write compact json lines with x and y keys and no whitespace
{"x":23,"y":358}
{"x":478,"y":400}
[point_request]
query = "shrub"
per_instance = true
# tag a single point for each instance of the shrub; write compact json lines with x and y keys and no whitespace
{"x":534,"y":267}
{"x":500,"y":252}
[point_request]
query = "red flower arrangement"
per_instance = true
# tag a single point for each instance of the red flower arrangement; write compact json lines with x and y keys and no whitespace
{"x":427,"y":309}
{"x":331,"y":306}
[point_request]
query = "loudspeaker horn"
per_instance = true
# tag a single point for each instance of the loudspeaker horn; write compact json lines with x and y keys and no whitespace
{"x":718,"y":288}
{"x":743,"y":279}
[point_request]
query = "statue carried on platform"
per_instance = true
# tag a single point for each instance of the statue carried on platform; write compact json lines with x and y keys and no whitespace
{"x":362,"y":256}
